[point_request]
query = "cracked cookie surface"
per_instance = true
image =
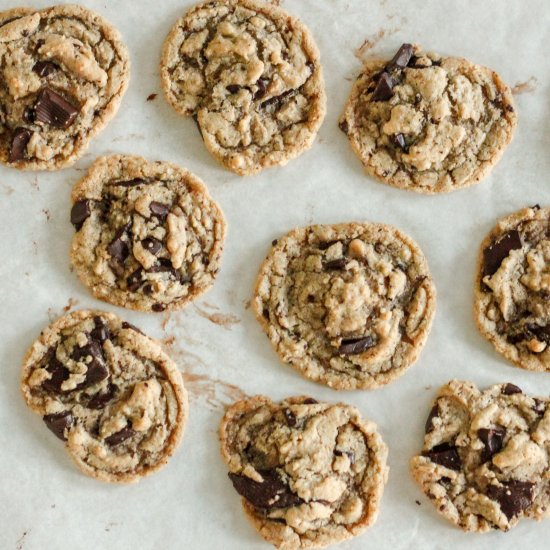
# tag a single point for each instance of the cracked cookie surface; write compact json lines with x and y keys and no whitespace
{"x":428,"y":123}
{"x":512,"y":294}
{"x":148,"y":234}
{"x":250,"y":76}
{"x":348,"y":305}
{"x":310,"y":474}
{"x":484,"y":462}
{"x":109,"y":392}
{"x":64,"y":72}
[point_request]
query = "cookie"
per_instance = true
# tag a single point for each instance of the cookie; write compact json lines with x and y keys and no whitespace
{"x":249,"y":74}
{"x":310,"y":474}
{"x":109,"y":392}
{"x":148,"y":234}
{"x":484,"y":463}
{"x":348,"y":305}
{"x":428,"y":123}
{"x":512,"y":292}
{"x":65,"y":70}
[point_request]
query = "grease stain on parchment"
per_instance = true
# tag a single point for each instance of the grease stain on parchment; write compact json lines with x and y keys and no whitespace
{"x":225,"y":320}
{"x":530,"y":85}
{"x":21,"y":540}
{"x":373,"y":40}
{"x":53,"y":314}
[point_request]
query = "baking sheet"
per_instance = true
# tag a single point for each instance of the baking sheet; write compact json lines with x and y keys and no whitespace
{"x":45,"y":503}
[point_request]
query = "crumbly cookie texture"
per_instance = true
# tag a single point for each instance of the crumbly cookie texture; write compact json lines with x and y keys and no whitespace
{"x":512,"y":294}
{"x":64,"y":71}
{"x":484,"y":463}
{"x":109,"y":392}
{"x":148,"y":234}
{"x":249,"y":74}
{"x":348,"y":305}
{"x":310,"y":474}
{"x":428,"y":123}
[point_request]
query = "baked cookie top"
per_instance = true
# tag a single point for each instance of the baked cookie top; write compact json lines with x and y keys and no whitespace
{"x":310,"y":474}
{"x":64,"y":71}
{"x":428,"y":123}
{"x":484,"y":462}
{"x":512,"y":293}
{"x":348,"y":305}
{"x":109,"y":392}
{"x":148,"y":234}
{"x":249,"y":74}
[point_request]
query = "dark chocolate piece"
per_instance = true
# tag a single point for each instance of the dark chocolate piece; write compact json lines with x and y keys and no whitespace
{"x":80,"y":212}
{"x":44,"y":68}
{"x":58,"y":423}
{"x":335,"y":265}
{"x":159,"y":209}
{"x":429,"y":422}
{"x":495,"y":253}
{"x":152,"y":245}
{"x":401,"y":59}
{"x":492,"y":438}
{"x":514,"y":496}
{"x":384,"y":88}
{"x":52,"y":108}
{"x":118,"y":437}
{"x":355,"y":346}
{"x":445,"y":455}
{"x":19,"y":141}
{"x":510,"y":389}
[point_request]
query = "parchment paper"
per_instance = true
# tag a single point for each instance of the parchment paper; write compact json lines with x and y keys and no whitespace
{"x":45,"y":503}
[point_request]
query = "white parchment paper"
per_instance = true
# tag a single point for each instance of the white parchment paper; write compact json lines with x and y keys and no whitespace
{"x":45,"y":503}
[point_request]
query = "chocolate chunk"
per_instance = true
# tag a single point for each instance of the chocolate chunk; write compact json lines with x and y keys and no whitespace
{"x":96,"y":370}
{"x":129,"y":183}
{"x":44,"y":68}
{"x":52,"y":108}
{"x":355,"y":346}
{"x":401,"y":59}
{"x":100,"y":331}
{"x":310,"y":401}
{"x":152,"y":97}
{"x":20,"y":139}
{"x":163,"y":265}
{"x":118,"y":437}
{"x":261,"y":83}
{"x":135,"y":280}
{"x":131,"y":327}
{"x":100,"y":400}
{"x":159,"y":209}
{"x":233,"y":88}
{"x":58,"y":423}
{"x":28,"y":115}
{"x":445,"y":455}
{"x":158,"y":307}
{"x":335,"y":265}
{"x":80,"y":212}
{"x":344,"y":126}
{"x":349,"y":454}
{"x":541,"y":333}
{"x":492,"y":438}
{"x":118,"y":248}
{"x":384,"y":88}
{"x":290,"y":417}
{"x":510,"y":389}
{"x":152,"y":245}
{"x":278,"y":100}
{"x":399,"y":141}
{"x":429,"y":422}
{"x":273,"y":492}
{"x":513,"y":497}
{"x":58,"y":372}
{"x":495,"y":253}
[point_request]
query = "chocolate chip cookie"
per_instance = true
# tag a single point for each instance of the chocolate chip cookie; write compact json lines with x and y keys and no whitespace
{"x":428,"y":123}
{"x":310,"y":474}
{"x":148,"y":234}
{"x":348,"y":305}
{"x":484,"y":463}
{"x":249,"y":74}
{"x":512,"y":294}
{"x":64,"y":70}
{"x":109,"y":392}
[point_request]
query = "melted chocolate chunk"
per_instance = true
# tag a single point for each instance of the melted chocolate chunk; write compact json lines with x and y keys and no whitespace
{"x":384,"y":88}
{"x":58,"y":372}
{"x":158,"y":307}
{"x":344,"y":126}
{"x":100,"y":400}
{"x":495,"y":253}
{"x":513,"y":497}
{"x":152,"y":245}
{"x":118,"y":437}
{"x":96,"y":370}
{"x":429,"y":422}
{"x":44,"y":68}
{"x":510,"y":389}
{"x":262,"y":88}
{"x":233,"y":88}
{"x":100,"y":331}
{"x":273,"y":492}
{"x":80,"y":212}
{"x":129,"y":183}
{"x":492,"y":438}
{"x":28,"y":115}
{"x":135,"y":280}
{"x":399,"y":141}
{"x":310,"y":401}
{"x":401,"y":59}
{"x":131,"y":327}
{"x":52,"y":108}
{"x":355,"y":346}
{"x":445,"y":455}
{"x":540,"y":333}
{"x":335,"y":265}
{"x":277,"y":101}
{"x":118,"y":248}
{"x":58,"y":423}
{"x":290,"y":417}
{"x":20,"y":139}
{"x":159,"y":209}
